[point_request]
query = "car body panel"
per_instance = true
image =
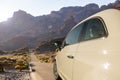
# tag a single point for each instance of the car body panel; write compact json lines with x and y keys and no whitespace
{"x":96,"y":62}
{"x":96,"y":59}
{"x":64,"y":60}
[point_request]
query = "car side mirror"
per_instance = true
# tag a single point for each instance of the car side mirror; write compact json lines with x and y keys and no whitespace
{"x":58,"y":45}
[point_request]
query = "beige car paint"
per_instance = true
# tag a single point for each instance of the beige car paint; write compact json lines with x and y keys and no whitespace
{"x":96,"y":59}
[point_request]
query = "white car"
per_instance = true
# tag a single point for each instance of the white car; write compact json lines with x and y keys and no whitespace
{"x":91,"y":50}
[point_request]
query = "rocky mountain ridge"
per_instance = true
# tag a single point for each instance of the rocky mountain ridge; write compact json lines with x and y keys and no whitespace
{"x":23,"y":29}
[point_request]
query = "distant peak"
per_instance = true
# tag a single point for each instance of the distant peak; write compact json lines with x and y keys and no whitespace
{"x":20,"y":13}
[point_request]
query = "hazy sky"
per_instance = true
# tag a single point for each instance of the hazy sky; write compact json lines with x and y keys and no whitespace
{"x":40,"y":7}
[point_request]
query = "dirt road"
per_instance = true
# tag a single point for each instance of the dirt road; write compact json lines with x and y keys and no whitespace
{"x":42,"y":71}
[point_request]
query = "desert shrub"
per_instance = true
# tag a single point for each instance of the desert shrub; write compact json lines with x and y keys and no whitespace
{"x":21,"y":65}
{"x":46,"y":58}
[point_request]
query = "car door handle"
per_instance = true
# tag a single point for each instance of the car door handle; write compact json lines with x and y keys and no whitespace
{"x":70,"y":56}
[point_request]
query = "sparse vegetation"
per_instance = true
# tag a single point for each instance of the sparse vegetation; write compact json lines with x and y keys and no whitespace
{"x":46,"y":51}
{"x":46,"y":58}
{"x":18,"y":59}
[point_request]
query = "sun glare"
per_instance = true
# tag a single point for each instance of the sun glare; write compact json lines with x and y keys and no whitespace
{"x":4,"y":15}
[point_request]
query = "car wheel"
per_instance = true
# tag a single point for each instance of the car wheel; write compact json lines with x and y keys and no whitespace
{"x":57,"y":77}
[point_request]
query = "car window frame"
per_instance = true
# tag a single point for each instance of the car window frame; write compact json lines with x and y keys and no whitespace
{"x":82,"y":33}
{"x":64,"y":42}
{"x":104,"y":26}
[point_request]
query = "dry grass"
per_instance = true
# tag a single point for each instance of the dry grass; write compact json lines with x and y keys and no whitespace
{"x":46,"y":57}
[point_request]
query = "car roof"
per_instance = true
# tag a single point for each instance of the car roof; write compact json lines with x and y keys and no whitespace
{"x":101,"y":14}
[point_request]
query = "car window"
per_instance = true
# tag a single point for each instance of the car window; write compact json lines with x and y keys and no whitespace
{"x":94,"y":28}
{"x":73,"y":36}
{"x":91,"y":29}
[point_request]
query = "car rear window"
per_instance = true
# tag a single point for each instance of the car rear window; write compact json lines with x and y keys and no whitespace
{"x":94,"y":28}
{"x":90,"y":29}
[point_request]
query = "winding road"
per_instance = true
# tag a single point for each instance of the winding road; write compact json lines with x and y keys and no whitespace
{"x":42,"y":71}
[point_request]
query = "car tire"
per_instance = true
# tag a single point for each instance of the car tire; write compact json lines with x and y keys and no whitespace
{"x":57,"y":77}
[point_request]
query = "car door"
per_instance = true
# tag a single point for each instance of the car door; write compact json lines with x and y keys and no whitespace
{"x":65,"y":57}
{"x":88,"y":56}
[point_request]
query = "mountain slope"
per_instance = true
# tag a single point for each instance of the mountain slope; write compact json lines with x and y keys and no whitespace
{"x":24,"y":29}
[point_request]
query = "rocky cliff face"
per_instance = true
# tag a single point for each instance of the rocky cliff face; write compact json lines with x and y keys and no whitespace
{"x":24,"y":29}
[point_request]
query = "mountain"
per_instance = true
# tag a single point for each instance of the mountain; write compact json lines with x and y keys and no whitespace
{"x":23,"y":29}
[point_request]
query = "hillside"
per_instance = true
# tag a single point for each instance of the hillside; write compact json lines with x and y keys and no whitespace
{"x":23,"y":29}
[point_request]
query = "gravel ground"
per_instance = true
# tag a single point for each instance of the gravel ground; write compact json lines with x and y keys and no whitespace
{"x":15,"y":75}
